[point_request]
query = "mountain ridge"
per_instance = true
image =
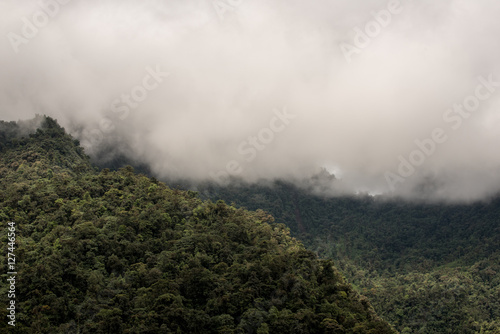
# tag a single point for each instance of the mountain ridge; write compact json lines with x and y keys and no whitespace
{"x":102,"y":251}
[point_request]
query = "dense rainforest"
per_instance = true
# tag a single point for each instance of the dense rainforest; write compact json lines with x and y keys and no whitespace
{"x":100,"y":251}
{"x":426,"y":267}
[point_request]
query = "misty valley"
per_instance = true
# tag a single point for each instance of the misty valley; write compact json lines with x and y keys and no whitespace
{"x":103,"y":251}
{"x":250,"y":167}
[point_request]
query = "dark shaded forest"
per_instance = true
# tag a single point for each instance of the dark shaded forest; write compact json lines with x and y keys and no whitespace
{"x":426,"y":268}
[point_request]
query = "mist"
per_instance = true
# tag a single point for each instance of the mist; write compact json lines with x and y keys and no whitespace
{"x":394,"y":97}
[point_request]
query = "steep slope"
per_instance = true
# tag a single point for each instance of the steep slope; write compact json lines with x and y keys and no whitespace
{"x":426,"y":268}
{"x":116,"y":252}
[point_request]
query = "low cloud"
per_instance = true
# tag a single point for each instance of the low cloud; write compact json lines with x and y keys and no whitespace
{"x":232,"y":64}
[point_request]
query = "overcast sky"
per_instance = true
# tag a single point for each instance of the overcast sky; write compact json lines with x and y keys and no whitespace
{"x":392,"y":96}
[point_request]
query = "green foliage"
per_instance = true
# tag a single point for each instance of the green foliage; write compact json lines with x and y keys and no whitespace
{"x":116,"y":252}
{"x":426,"y":268}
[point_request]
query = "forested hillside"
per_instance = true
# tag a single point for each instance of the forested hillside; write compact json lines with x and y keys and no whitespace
{"x":101,"y":251}
{"x":427,"y":268}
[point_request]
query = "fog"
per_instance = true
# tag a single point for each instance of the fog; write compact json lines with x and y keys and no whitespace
{"x":397,"y":97}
